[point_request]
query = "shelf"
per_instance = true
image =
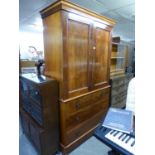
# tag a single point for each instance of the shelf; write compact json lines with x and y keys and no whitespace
{"x":114,"y":43}
{"x":117,"y":57}
{"x":117,"y":70}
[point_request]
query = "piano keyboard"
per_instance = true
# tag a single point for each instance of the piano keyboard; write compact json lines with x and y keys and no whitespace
{"x":122,"y":139}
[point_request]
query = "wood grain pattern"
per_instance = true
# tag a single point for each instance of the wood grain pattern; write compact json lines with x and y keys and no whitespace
{"x":79,"y":110}
{"x":77,"y":53}
{"x":78,"y":62}
{"x":101,"y":58}
{"x":40,"y":112}
{"x":53,"y":47}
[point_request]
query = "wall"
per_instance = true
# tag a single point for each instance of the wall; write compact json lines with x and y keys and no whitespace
{"x":30,"y":39}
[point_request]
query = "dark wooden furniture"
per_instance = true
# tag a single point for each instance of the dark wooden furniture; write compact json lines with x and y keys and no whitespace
{"x":40,"y":112}
{"x":119,"y":86}
{"x":77,"y":46}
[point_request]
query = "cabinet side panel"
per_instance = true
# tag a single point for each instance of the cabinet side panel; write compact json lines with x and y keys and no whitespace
{"x":53,"y":46}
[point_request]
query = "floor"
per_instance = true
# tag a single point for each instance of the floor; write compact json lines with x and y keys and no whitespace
{"x":90,"y":147}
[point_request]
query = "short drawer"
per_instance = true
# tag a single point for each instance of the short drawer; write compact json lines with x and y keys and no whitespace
{"x":88,"y":100}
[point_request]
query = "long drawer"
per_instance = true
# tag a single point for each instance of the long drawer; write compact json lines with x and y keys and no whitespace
{"x":76,"y":105}
{"x":80,"y":130}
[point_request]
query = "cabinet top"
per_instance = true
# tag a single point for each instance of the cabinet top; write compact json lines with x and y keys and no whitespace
{"x":35,"y":78}
{"x":74,"y":8}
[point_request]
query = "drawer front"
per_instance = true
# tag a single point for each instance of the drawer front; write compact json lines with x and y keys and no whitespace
{"x":36,"y":112}
{"x":119,"y":98}
{"x":118,"y":90}
{"x":25,"y":123}
{"x":35,"y":94}
{"x":26,"y":103}
{"x":86,"y":108}
{"x":118,"y":82}
{"x":120,"y":104}
{"x":78,"y":104}
{"x":121,"y":81}
{"x":83,"y":128}
{"x":35,"y":132}
{"x":86,"y":113}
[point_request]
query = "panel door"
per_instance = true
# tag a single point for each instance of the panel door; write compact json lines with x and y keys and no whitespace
{"x":77,"y":56}
{"x":101,"y":56}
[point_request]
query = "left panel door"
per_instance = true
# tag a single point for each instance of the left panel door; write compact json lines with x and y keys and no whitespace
{"x":78,"y":55}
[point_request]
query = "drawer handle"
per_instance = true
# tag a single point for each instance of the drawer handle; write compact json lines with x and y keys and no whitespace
{"x":77,"y":105}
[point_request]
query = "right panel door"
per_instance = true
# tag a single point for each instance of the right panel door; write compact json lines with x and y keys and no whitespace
{"x":101,"y":56}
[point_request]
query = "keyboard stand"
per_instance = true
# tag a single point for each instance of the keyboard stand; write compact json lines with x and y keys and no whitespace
{"x":113,"y":152}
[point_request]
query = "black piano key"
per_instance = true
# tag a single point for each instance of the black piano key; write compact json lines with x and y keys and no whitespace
{"x":127,"y":140}
{"x":133,"y":143}
{"x":111,"y":132}
{"x":124,"y":138}
{"x":120,"y":136}
{"x":116,"y":133}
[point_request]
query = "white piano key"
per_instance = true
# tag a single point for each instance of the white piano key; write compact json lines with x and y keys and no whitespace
{"x":123,"y":144}
{"x":130,"y":141}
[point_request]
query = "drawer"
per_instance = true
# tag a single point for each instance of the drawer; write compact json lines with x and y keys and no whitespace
{"x":37,"y":113}
{"x":24,"y":86}
{"x":119,"y":89}
{"x":35,"y":94}
{"x":26,"y":103}
{"x":25,"y":122}
{"x":127,"y":80}
{"x":78,"y":131}
{"x":85,"y":101}
{"x":121,"y":104}
{"x":118,"y":82}
{"x":86,"y":113}
{"x":119,"y":98}
{"x":35,"y":132}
